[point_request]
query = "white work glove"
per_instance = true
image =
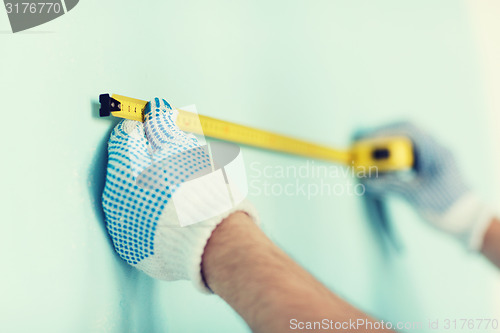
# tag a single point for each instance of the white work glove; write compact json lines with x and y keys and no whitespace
{"x":145,"y":201}
{"x":437,"y":190}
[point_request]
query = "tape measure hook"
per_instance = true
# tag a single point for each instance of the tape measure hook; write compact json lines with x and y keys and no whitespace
{"x":108,"y":105}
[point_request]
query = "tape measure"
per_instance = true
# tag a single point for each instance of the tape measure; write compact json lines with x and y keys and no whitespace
{"x":386,"y":154}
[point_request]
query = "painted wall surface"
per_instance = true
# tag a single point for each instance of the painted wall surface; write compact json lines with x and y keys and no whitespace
{"x":486,"y":27}
{"x":314,"y":69}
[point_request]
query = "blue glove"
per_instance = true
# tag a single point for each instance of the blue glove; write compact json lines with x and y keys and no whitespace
{"x":437,"y":189}
{"x":162,"y":198}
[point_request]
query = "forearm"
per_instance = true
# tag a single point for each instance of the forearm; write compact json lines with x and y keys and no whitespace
{"x":265,"y":286}
{"x":491,"y":244}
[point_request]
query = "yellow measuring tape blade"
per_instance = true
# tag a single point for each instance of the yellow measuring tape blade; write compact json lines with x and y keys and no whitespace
{"x":228,"y":131}
{"x":131,"y":108}
{"x":399,"y":149}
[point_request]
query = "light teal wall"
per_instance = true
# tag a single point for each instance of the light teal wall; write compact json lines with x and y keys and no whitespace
{"x":314,"y":69}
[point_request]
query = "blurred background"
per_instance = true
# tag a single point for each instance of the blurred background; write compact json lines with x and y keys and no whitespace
{"x":318,"y":70}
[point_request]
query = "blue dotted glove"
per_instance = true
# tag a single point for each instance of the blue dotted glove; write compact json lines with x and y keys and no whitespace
{"x":436,"y":190}
{"x":155,"y":223}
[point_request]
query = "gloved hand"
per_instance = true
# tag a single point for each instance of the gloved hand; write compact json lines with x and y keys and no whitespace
{"x":148,"y":165}
{"x":437,"y":190}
